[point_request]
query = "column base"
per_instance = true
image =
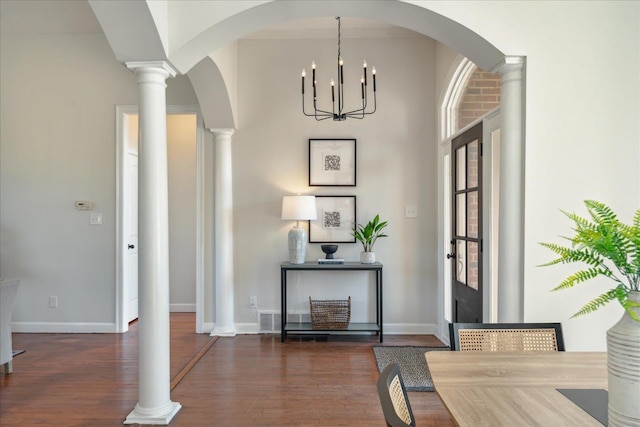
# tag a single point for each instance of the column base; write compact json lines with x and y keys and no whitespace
{"x":145,"y":416}
{"x":223,"y":332}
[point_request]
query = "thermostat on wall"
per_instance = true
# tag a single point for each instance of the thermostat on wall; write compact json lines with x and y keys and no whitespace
{"x":84,"y":205}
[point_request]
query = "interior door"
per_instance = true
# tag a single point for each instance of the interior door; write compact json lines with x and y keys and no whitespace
{"x":466,"y":221}
{"x":131,"y":224}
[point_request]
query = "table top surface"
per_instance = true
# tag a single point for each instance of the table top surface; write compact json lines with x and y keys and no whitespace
{"x":509,"y":389}
{"x":315,"y":265}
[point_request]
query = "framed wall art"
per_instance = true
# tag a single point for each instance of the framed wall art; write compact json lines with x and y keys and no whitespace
{"x":332,"y":162}
{"x":336,"y":218}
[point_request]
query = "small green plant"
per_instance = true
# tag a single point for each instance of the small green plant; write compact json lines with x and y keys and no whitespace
{"x":368,"y":234}
{"x":608,"y":248}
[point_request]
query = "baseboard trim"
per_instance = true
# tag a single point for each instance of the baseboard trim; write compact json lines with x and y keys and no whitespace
{"x":241,"y":328}
{"x":410,"y":328}
{"x":63,"y":328}
{"x":182,"y":308}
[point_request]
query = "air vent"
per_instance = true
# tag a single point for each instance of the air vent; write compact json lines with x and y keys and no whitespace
{"x":269,"y":321}
{"x":299,"y":317}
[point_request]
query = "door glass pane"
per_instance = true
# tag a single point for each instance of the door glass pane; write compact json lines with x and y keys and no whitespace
{"x":472,"y":214}
{"x":472,"y":265}
{"x":461,"y":261}
{"x":461,"y":215}
{"x":473,"y":154}
{"x":461,"y":162}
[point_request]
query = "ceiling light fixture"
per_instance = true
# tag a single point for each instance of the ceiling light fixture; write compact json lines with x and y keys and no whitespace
{"x":338,"y":114}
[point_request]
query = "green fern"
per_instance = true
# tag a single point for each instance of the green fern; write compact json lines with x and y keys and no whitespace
{"x":581,"y":276}
{"x":596,"y":303}
{"x":609,"y":248}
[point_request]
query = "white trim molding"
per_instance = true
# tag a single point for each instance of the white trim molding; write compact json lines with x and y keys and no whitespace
{"x":63,"y":328}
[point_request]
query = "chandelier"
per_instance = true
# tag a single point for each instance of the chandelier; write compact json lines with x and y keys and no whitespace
{"x":337,"y":112}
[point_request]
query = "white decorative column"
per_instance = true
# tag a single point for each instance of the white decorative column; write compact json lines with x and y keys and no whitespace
{"x":154,"y":403}
{"x":223,"y":199}
{"x":511,"y":227}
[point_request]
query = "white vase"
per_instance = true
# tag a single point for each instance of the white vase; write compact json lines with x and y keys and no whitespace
{"x":623,"y":365}
{"x":367,"y":257}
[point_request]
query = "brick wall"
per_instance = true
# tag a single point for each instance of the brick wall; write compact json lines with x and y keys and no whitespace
{"x":481,"y":95}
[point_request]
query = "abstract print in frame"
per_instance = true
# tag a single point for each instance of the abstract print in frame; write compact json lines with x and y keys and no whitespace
{"x":336,"y":219}
{"x":332,"y":162}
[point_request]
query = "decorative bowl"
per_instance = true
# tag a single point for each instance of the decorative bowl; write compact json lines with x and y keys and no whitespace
{"x":329,"y":250}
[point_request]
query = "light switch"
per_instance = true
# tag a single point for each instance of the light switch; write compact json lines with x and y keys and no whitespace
{"x":84,"y":205}
{"x":411,"y":211}
{"x":95,"y":218}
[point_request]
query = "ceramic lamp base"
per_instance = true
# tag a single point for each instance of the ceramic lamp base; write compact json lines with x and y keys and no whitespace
{"x":297,"y":245}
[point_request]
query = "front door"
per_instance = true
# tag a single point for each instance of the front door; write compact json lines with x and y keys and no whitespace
{"x":466,"y":244}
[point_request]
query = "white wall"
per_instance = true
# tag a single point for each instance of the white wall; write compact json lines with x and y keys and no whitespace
{"x":57,"y":145}
{"x":582,"y":132}
{"x":396,"y":164}
{"x":181,"y":153}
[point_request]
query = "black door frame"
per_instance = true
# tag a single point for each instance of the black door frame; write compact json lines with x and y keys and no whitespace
{"x":467,"y":301}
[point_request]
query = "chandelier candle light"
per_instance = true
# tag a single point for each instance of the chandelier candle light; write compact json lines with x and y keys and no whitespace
{"x":338,"y":114}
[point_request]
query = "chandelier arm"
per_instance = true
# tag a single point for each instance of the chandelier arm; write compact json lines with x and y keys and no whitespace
{"x":315,"y":113}
{"x":316,"y":110}
{"x":364,"y":100}
{"x":323,"y":112}
{"x":362,"y":110}
{"x":303,"y":110}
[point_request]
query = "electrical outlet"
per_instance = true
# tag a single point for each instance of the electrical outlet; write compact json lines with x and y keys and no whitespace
{"x":411,"y":211}
{"x":253,"y":302}
{"x":53,"y":302}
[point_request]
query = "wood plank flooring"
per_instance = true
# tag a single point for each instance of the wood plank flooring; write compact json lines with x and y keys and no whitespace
{"x":249,"y":380}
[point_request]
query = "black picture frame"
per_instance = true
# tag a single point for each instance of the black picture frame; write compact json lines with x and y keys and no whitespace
{"x":332,"y":162}
{"x":336,"y":219}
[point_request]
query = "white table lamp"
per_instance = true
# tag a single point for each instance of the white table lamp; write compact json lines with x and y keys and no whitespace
{"x":298,"y":208}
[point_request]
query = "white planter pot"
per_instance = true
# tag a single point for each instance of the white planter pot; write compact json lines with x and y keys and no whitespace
{"x":623,"y":364}
{"x":367,"y":257}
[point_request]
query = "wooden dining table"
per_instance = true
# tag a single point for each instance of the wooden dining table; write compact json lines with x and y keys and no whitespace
{"x":516,"y":389}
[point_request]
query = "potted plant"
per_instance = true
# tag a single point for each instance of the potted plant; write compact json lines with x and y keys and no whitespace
{"x":609,"y":248}
{"x":367,"y":235}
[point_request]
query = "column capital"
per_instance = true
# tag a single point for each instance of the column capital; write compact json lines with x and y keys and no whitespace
{"x":509,"y":64}
{"x":162,"y":66}
{"x":222,"y":132}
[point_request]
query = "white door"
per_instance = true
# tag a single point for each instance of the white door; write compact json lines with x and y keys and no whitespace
{"x":130,"y":267}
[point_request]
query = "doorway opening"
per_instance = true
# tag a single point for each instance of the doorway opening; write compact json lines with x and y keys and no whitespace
{"x":186,"y":218}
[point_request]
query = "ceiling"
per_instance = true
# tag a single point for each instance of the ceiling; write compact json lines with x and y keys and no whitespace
{"x":76,"y":16}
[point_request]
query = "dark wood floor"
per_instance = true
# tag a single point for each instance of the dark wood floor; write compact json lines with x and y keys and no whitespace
{"x":249,"y":380}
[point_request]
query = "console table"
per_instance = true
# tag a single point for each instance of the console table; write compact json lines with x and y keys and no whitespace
{"x":315,"y":266}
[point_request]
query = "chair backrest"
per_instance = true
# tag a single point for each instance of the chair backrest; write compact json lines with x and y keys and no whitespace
{"x":393,"y":397}
{"x":506,"y":337}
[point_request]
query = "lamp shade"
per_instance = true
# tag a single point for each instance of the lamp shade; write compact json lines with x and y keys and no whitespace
{"x":299,"y":207}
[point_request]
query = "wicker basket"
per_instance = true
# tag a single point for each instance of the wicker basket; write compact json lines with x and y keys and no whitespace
{"x":330,"y":314}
